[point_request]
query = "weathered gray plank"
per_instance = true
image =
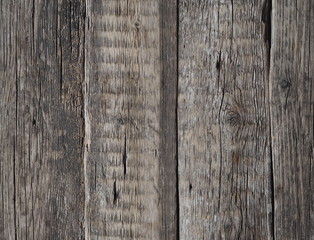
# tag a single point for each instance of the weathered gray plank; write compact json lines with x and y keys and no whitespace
{"x":41,"y":119}
{"x":7,"y":119}
{"x":129,"y":157}
{"x":292,"y":114}
{"x":224,"y":153}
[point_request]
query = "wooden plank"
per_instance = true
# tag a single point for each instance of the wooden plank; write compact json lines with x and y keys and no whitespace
{"x":292,"y":114}
{"x":168,"y":148}
{"x":130,"y":147}
{"x":225,"y":187}
{"x":7,"y":119}
{"x":41,"y":119}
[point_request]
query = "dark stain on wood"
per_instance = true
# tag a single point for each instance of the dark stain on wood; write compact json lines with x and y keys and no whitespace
{"x":235,"y":157}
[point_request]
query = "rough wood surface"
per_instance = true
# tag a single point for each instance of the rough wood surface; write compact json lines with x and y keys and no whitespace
{"x":224,"y":152}
{"x":168,"y":135}
{"x":292,"y":115}
{"x":156,"y":119}
{"x":123,"y":93}
{"x":130,"y":142}
{"x":41,"y":129}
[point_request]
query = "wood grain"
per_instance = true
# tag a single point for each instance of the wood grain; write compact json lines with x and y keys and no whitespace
{"x":292,"y":114}
{"x":8,"y":121}
{"x":224,"y":148}
{"x":41,"y":124}
{"x":130,"y":153}
{"x":156,"y":119}
{"x":168,"y":135}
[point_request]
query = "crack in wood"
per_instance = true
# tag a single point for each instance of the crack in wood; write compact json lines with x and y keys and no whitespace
{"x":15,"y":134}
{"x":115,"y":193}
{"x":234,"y":169}
{"x":124,"y":156}
{"x":267,"y":20}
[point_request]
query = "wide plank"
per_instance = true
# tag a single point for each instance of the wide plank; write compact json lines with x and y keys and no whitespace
{"x":42,"y":71}
{"x":225,"y":184}
{"x":130,"y":145}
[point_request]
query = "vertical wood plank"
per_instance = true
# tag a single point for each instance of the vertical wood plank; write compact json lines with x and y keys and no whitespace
{"x":224,"y":152}
{"x":41,"y":119}
{"x":168,"y":148}
{"x":130,"y":147}
{"x":292,"y":114}
{"x":7,"y":119}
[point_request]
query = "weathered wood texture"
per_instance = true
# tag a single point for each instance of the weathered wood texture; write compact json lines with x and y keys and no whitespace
{"x":246,"y":119}
{"x":41,"y":129}
{"x":130,"y":143}
{"x":224,"y":148}
{"x":156,"y":119}
{"x":292,"y":115}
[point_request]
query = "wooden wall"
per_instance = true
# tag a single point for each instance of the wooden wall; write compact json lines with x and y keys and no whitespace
{"x":156,"y":119}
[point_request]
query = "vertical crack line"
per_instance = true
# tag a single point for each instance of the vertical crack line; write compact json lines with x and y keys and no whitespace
{"x":272,"y":188}
{"x":271,"y":166}
{"x":220,"y":141}
{"x":177,"y":119}
{"x":86,"y":120}
{"x":115,"y":193}
{"x":311,"y":83}
{"x":267,"y":20}
{"x":14,"y":186}
{"x":33,"y":26}
{"x":16,"y":127}
{"x":124,"y":156}
{"x":61,"y":71}
{"x":232,"y":22}
{"x":70,"y":19}
{"x":59,"y":49}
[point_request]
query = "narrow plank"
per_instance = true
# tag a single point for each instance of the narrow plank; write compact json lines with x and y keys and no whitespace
{"x":41,"y":119}
{"x":126,"y":158}
{"x":168,"y":148}
{"x":292,"y":115}
{"x":225,"y":187}
{"x":7,"y":119}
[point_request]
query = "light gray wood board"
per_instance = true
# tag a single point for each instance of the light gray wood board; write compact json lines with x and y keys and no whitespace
{"x":292,"y":114}
{"x":225,"y":187}
{"x":128,"y":182}
{"x":8,"y":120}
{"x":42,"y":187}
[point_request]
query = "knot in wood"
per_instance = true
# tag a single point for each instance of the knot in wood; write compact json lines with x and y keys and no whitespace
{"x":284,"y":84}
{"x":234,"y":118}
